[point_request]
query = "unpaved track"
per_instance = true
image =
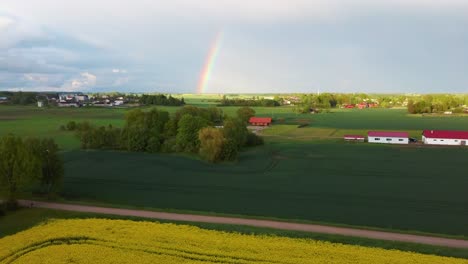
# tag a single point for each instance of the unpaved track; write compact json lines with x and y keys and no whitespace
{"x":420,"y":239}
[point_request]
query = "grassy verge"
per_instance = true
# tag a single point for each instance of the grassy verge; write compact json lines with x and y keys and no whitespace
{"x":25,"y":218}
{"x":91,"y":203}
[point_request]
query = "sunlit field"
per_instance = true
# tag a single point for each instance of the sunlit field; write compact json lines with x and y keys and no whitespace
{"x":118,"y":241}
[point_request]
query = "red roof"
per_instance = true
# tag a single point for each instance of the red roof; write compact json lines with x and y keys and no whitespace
{"x":353,"y":136}
{"x":260,"y":120}
{"x":388,"y":134}
{"x":445,"y":134}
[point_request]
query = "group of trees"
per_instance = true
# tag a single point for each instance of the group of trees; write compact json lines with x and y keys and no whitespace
{"x":20,"y":98}
{"x":28,"y":162}
{"x":189,"y":130}
{"x":160,"y":99}
{"x":437,"y":103}
{"x":248,"y":102}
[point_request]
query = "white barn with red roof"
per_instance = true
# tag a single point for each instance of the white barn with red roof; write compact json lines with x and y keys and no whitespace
{"x":445,"y":137}
{"x":388,"y":137}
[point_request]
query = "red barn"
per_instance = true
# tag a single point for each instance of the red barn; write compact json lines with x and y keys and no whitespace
{"x":260,"y":121}
{"x":445,"y":137}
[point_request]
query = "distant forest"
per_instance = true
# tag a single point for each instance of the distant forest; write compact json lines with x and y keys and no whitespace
{"x":160,"y":99}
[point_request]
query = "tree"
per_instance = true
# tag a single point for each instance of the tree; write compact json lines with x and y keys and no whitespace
{"x":187,"y":133}
{"x":235,"y":130}
{"x":411,"y":106}
{"x":18,"y":166}
{"x":52,"y":170}
{"x":245,"y":113}
{"x":211,"y":144}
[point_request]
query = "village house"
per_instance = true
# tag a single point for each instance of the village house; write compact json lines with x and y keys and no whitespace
{"x":445,"y":137}
{"x":387,"y":137}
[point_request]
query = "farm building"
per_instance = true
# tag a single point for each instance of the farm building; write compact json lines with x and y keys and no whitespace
{"x":354,"y":138}
{"x":388,"y":137}
{"x":260,"y":121}
{"x":445,"y":137}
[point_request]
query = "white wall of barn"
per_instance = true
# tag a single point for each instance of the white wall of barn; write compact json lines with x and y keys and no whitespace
{"x":444,"y":141}
{"x":388,"y":140}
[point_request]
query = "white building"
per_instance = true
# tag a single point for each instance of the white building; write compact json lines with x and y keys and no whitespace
{"x":388,"y":137}
{"x":445,"y":137}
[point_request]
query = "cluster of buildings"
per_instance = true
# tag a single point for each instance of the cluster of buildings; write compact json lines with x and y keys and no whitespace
{"x":361,"y":105}
{"x":429,"y":137}
{"x":78,"y":99}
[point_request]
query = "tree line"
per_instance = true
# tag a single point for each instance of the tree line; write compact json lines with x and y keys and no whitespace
{"x":437,"y":103}
{"x":204,"y":131}
{"x":161,"y":99}
{"x":248,"y":102}
{"x":28,"y":163}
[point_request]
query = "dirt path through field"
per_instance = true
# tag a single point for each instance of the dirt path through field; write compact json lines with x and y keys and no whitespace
{"x":436,"y":241}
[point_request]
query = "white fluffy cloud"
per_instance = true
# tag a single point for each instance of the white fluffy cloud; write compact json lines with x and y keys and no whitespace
{"x":84,"y":81}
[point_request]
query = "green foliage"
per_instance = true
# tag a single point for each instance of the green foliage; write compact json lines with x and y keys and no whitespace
{"x":23,"y":98}
{"x":144,"y":131}
{"x":18,"y":166}
{"x":155,"y":131}
{"x":235,"y":130}
{"x":71,"y":126}
{"x":100,"y":137}
{"x":52,"y":170}
{"x":244,"y":102}
{"x":245,"y":113}
{"x":253,"y":140}
{"x":436,"y":103}
{"x":160,"y":99}
{"x":211,"y":144}
{"x":229,"y":151}
{"x":187,"y":133}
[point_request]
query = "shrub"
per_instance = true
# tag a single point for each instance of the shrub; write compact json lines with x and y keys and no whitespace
{"x":229,"y":151}
{"x":71,"y":126}
{"x":253,"y":140}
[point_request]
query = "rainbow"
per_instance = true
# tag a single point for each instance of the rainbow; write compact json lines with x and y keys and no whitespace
{"x":209,"y":63}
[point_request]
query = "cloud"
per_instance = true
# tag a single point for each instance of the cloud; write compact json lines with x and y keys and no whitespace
{"x":119,"y":71}
{"x":271,"y":45}
{"x":83,"y":82}
{"x":5,"y":22}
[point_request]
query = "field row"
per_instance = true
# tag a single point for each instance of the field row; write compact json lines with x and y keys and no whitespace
{"x":120,"y":241}
{"x":32,"y":121}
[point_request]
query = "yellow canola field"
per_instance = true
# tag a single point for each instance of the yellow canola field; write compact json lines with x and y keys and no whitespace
{"x":122,"y":241}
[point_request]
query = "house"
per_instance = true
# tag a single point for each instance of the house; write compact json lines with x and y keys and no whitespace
{"x":445,"y":137}
{"x":388,"y":137}
{"x":354,"y":138}
{"x":260,"y":121}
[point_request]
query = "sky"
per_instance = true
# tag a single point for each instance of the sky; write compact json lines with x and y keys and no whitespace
{"x":234,"y":46}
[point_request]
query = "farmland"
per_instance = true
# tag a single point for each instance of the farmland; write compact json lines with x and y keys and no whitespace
{"x":305,"y":173}
{"x":32,"y":121}
{"x":110,"y":241}
{"x":422,"y":189}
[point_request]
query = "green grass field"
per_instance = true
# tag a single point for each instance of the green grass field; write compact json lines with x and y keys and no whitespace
{"x":304,"y":173}
{"x":45,"y":122}
{"x":405,"y":188}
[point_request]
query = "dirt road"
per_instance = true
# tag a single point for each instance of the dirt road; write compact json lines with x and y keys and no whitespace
{"x":436,"y":241}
